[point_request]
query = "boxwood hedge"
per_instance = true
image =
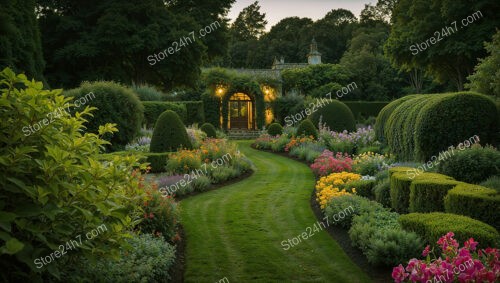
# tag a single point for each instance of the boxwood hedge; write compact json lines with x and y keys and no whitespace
{"x":153,"y":110}
{"x":384,"y":115}
{"x":432,"y":226}
{"x":427,"y":195}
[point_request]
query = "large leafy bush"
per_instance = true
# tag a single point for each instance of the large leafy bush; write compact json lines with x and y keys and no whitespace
{"x":54,"y":185}
{"x":115,"y":104}
{"x":335,"y":115}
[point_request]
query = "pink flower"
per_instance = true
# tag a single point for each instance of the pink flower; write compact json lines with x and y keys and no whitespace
{"x":399,"y":274}
{"x":470,"y":244}
{"x":426,"y":250}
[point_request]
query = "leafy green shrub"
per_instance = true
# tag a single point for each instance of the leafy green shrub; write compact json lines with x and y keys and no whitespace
{"x":169,"y":134}
{"x":427,"y":195}
{"x":115,"y":104}
{"x":474,"y":201}
{"x":363,"y":187}
{"x":431,"y":226}
{"x":492,"y":183}
{"x":275,"y":129}
{"x":75,"y":189}
{"x":382,"y":192}
{"x":336,"y":116}
{"x":285,"y":107}
{"x":472,"y":165}
{"x":306,"y":128}
{"x":349,"y":205}
{"x":201,"y":183}
{"x":148,"y":93}
{"x":153,"y":110}
{"x":148,"y":260}
{"x":209,"y":129}
{"x":382,"y":240}
{"x":436,"y":124}
{"x":385,"y":113}
{"x":279,"y":144}
{"x":222,"y":174}
{"x":160,"y":215}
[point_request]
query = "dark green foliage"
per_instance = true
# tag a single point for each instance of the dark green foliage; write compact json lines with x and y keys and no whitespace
{"x":472,"y":165}
{"x":349,"y":205}
{"x":153,"y":110}
{"x":157,"y":161}
{"x":492,"y":183}
{"x":306,"y":128}
{"x":432,"y":226}
{"x":335,"y":115}
{"x":384,"y":115}
{"x":275,"y":129}
{"x":148,"y":93}
{"x":209,"y":129}
{"x":474,"y":201}
{"x":286,"y":106}
{"x":382,"y":192}
{"x":211,"y":105}
{"x":115,"y":104}
{"x":427,"y":195}
{"x":365,"y":109}
{"x":363,"y":187}
{"x":148,"y":260}
{"x":380,"y":237}
{"x":20,"y":42}
{"x":169,"y":134}
{"x":195,"y":112}
{"x":437,"y":129}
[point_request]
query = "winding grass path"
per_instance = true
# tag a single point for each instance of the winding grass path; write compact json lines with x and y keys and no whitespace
{"x":236,"y":231}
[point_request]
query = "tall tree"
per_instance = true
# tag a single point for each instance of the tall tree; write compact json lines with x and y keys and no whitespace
{"x":452,"y":54}
{"x":250,"y":23}
{"x":20,"y":43}
{"x":486,"y":79}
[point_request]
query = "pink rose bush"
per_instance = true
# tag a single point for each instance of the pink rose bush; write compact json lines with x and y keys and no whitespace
{"x":454,"y":265}
{"x":328,"y":163}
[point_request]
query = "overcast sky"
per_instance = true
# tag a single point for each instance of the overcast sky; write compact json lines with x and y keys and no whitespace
{"x":315,"y":9}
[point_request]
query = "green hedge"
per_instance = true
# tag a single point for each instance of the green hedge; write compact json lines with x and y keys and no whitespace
{"x":384,"y":115}
{"x":153,"y":110}
{"x":474,"y":201}
{"x":195,"y":112}
{"x":336,"y":115}
{"x":363,"y":188}
{"x":427,"y":195}
{"x":449,"y":119}
{"x":400,"y":192}
{"x":365,"y":108}
{"x":157,"y":161}
{"x":212,"y":108}
{"x":432,"y":226}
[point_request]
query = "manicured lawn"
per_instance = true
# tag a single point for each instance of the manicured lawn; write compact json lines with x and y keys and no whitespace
{"x":236,"y":231}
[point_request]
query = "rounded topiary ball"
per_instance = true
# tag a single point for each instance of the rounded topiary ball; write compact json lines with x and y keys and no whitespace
{"x":115,"y":104}
{"x":275,"y":129}
{"x":209,"y":129}
{"x":306,"y":128}
{"x":335,"y":115}
{"x":169,"y":134}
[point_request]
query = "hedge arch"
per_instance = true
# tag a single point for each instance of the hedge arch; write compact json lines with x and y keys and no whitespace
{"x":246,"y":85}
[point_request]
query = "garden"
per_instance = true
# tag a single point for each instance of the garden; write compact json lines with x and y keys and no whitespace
{"x":376,"y":161}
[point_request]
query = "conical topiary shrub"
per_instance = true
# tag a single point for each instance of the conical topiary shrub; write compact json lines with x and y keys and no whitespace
{"x":306,"y":128}
{"x":209,"y":129}
{"x":169,"y":133}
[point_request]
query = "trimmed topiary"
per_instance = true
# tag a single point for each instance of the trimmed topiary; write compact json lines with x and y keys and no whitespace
{"x":306,"y":128}
{"x":474,"y":201}
{"x":472,"y":165}
{"x":363,"y":188}
{"x":449,"y":119}
{"x":335,"y":115}
{"x":427,"y":195}
{"x":275,"y":129}
{"x":432,"y":226}
{"x":153,"y":110}
{"x":115,"y":104}
{"x":384,"y":115}
{"x":169,"y":134}
{"x":382,"y":192}
{"x":209,"y":129}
